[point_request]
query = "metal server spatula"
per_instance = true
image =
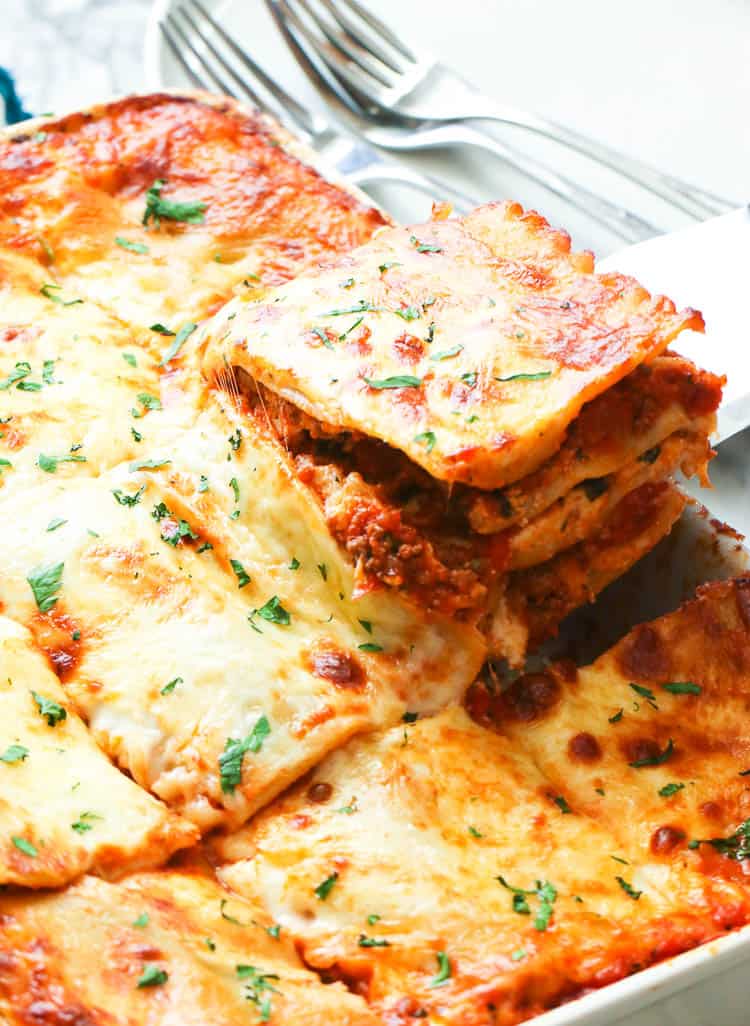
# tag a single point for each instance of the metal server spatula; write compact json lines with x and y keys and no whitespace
{"x":706,"y":266}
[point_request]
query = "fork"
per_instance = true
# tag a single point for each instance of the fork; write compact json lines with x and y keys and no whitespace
{"x":385,"y":77}
{"x":617,"y":219}
{"x":209,"y":68}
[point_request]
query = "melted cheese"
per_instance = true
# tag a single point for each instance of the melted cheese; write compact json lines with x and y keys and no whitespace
{"x":471,"y":351}
{"x":150,"y":611}
{"x":674,"y":691}
{"x":78,"y":956}
{"x":415,"y":826}
{"x":74,"y":185}
{"x":64,"y":808}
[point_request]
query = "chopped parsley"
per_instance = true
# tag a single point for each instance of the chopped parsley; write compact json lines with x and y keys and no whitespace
{"x":45,"y":582}
{"x":52,"y":711}
{"x":526,"y":377}
{"x":48,"y":369}
{"x":428,"y":438}
{"x":203,"y":483}
{"x":366,"y":625}
{"x":469,"y":378}
{"x":370,"y":646}
{"x":128,"y":500}
{"x":179,"y":341}
{"x":347,"y":283}
{"x":682,"y":687}
{"x":396,"y":381}
{"x":19,"y":372}
{"x":424,"y":247}
{"x":152,"y":976}
{"x":55,"y":523}
{"x":350,"y":329}
{"x":294,"y":564}
{"x":148,"y":402}
{"x":234,"y":485}
{"x":474,"y":832}
{"x":545,"y":892}
{"x":274,"y":612}
{"x":134,"y":247}
{"x":388,"y":265}
{"x":256,"y":985}
{"x":85,"y":822}
{"x":736,"y":846}
{"x":646,"y":693}
{"x":14,"y":753}
{"x":617,"y":716}
{"x":372,"y":942}
{"x":655,"y":760}
{"x":25,"y":846}
{"x":628,"y":888}
{"x":274,"y":931}
{"x":408,"y":313}
{"x":49,"y":463}
{"x":141,"y":921}
{"x":157,"y":208}
{"x":518,"y":954}
{"x":444,"y":970}
{"x":230,"y":760}
{"x":169,"y":688}
{"x":243,"y":577}
{"x":130,"y":359}
{"x":319,"y":333}
{"x":160,"y":329}
{"x":52,"y":292}
{"x":324,"y":889}
{"x":235,"y":440}
{"x":137,"y":436}
{"x":373,"y":918}
{"x":669,"y":789}
{"x":562,"y":805}
{"x":444,"y":354}
{"x":147,"y":465}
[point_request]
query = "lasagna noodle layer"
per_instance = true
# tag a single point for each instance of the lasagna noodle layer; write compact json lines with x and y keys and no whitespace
{"x":65,"y":810}
{"x":160,"y":948}
{"x":535,"y":601}
{"x":74,"y":193}
{"x":665,"y":395}
{"x":219,"y":651}
{"x":436,"y":870}
{"x":651,"y":740}
{"x":470,"y":345}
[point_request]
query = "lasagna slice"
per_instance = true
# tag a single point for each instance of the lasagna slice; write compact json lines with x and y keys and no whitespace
{"x":651,"y":740}
{"x":430,"y":868}
{"x":200,"y":617}
{"x":77,"y":390}
{"x":65,"y":810}
{"x":473,"y":407}
{"x":158,"y":948}
{"x":158,"y":207}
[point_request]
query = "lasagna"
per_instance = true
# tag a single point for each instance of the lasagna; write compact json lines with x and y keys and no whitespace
{"x":475,"y":410}
{"x":254,"y":557}
{"x":579,"y":827}
{"x":168,"y":947}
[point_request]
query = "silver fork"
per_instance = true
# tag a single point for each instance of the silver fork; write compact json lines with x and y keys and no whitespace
{"x":213,"y":60}
{"x":617,"y":219}
{"x":388,"y":78}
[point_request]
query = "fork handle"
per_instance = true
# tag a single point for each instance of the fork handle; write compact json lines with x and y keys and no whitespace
{"x":618,"y":219}
{"x":435,"y":188}
{"x":691,"y":199}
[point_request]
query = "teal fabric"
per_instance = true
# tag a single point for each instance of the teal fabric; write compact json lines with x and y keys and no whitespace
{"x":14,"y":110}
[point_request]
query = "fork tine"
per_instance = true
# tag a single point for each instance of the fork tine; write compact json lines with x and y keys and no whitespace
{"x":180,"y":58}
{"x":350,"y":51}
{"x":243,"y":85}
{"x":371,"y":43}
{"x":353,"y":79}
{"x":303,"y":118}
{"x":178,"y":30}
{"x":380,"y":27}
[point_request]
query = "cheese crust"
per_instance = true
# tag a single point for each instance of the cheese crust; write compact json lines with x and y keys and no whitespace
{"x":158,"y":948}
{"x":65,"y":810}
